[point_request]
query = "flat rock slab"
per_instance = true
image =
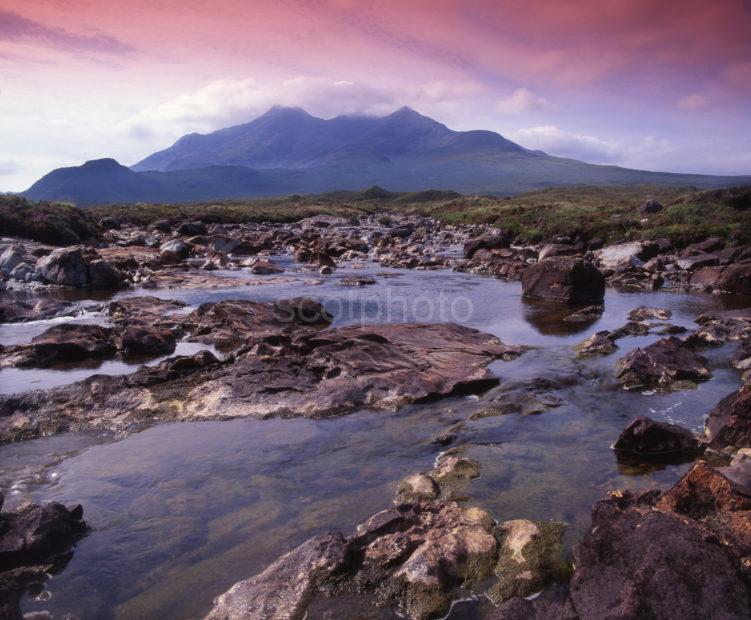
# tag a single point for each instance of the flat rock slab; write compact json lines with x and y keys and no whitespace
{"x":314,"y":375}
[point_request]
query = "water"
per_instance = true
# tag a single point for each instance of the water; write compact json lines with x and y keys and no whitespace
{"x":182,"y":511}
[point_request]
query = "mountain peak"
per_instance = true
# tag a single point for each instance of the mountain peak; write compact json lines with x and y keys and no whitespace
{"x":105,"y":163}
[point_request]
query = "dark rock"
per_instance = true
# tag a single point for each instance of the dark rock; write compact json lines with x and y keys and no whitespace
{"x":648,"y":437}
{"x":519,"y":608}
{"x":357,"y":281}
{"x":736,"y":279}
{"x":729,"y":423}
{"x":632,"y":328}
{"x":189,"y":229}
{"x":650,"y":205}
{"x":564,"y":279}
{"x":640,"y":562}
{"x":146,"y":341}
{"x":109,"y":223}
{"x":102,"y":275}
{"x":64,"y":343}
{"x":488,"y":241}
{"x":692,"y":263}
{"x":263,"y":266}
{"x":20,"y":310}
{"x":665,"y":364}
{"x":162,"y":226}
{"x":708,"y":246}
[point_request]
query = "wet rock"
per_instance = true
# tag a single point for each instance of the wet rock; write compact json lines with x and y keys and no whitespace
{"x":597,"y":345}
{"x":640,"y":562}
{"x":357,"y":281}
{"x":530,"y":558}
{"x":452,"y":466}
{"x":228,"y":324}
{"x":665,"y":364}
{"x":632,"y":328}
{"x":146,"y":341}
{"x":64,"y":343}
{"x":649,"y":206}
{"x":263,"y":266}
{"x":563,"y":279}
{"x":284,"y":589}
{"x":102,"y":275}
{"x":417,"y":487}
{"x":321,"y":259}
{"x":488,"y":241}
{"x":643,"y":313}
{"x":34,"y":533}
{"x":650,"y":438}
{"x":736,"y":279}
{"x":729,"y":423}
{"x":20,"y":310}
{"x":297,"y":373}
{"x":586,"y":315}
{"x":742,"y":357}
{"x":519,"y":608}
{"x":719,"y":328}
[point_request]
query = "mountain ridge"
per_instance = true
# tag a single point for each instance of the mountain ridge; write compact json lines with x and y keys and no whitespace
{"x":287,"y":150}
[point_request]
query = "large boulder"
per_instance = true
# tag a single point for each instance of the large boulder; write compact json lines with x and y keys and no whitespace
{"x":729,"y":423}
{"x":564,"y":279}
{"x":640,"y":562}
{"x":78,"y":268}
{"x":138,"y":341}
{"x":665,"y":364}
{"x":736,"y":279}
{"x":650,"y":438}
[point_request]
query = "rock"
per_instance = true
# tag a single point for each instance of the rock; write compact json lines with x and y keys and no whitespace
{"x":530,"y":558}
{"x":493,"y":240}
{"x":222,"y":243}
{"x":742,"y":357}
{"x":321,"y":259}
{"x":189,"y":229}
{"x":102,"y":275}
{"x":283,"y":590}
{"x":706,"y":278}
{"x":20,"y":310}
{"x":640,"y":562}
{"x":162,"y":226}
{"x":650,"y":205}
{"x":632,"y":328}
{"x":729,"y":423}
{"x":643,"y":313}
{"x":736,"y":279}
{"x":664,"y":364}
{"x":34,"y":534}
{"x":146,"y":341}
{"x":620,"y":256}
{"x":64,"y":266}
{"x":564,"y":279}
{"x":596,"y":345}
{"x":325,"y":270}
{"x":174,"y":251}
{"x":64,"y":343}
{"x":556,"y":249}
{"x":417,"y":487}
{"x":357,"y":281}
{"x":647,"y":437}
{"x":518,"y":608}
{"x":277,"y":372}
{"x":452,"y":466}
{"x":585,"y":315}
{"x":710,"y":245}
{"x":23,"y":272}
{"x":692,"y":263}
{"x":11,"y":257}
{"x":263,"y":266}
{"x":109,"y":223}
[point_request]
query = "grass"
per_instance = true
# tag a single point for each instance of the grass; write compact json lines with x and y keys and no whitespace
{"x":609,"y":213}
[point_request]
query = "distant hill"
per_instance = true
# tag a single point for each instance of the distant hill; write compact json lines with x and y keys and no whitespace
{"x":289,"y":151}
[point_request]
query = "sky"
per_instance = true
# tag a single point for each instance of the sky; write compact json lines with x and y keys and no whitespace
{"x":641,"y":83}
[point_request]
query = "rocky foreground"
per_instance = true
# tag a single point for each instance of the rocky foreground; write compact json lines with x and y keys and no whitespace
{"x":684,"y":552}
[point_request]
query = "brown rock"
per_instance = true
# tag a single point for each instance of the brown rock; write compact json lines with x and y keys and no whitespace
{"x":564,"y":279}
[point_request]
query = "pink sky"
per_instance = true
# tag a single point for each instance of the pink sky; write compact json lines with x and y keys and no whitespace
{"x":640,"y":83}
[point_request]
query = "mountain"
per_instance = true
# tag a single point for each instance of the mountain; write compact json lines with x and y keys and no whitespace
{"x":288,"y":151}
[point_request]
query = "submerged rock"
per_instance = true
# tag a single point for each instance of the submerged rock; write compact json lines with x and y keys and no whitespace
{"x":564,"y":279}
{"x":597,"y":345}
{"x":665,"y":364}
{"x":643,"y":313}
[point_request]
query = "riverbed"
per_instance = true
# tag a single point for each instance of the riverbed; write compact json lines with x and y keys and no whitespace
{"x":181,"y":511}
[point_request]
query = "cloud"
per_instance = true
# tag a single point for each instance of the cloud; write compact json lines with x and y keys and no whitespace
{"x":693,"y":102}
{"x":15,"y":27}
{"x":8,"y":167}
{"x":520,"y":101}
{"x":226,"y":102}
{"x":556,"y":141}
